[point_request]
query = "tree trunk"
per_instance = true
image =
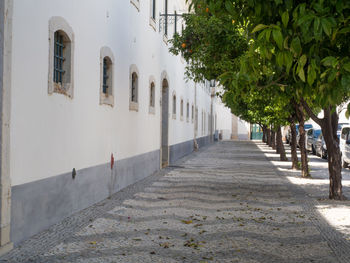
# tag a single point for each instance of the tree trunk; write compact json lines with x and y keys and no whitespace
{"x":278,"y":142}
{"x":268,"y":136}
{"x":281,"y":150}
{"x":329,"y":130}
{"x":329,"y":126}
{"x":273,"y":139}
{"x":293,"y":147}
{"x":304,"y":163}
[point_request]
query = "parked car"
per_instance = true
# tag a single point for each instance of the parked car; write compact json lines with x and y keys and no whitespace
{"x":320,"y":147}
{"x":306,"y":128}
{"x":310,"y":140}
{"x":340,"y":125}
{"x":344,"y":144}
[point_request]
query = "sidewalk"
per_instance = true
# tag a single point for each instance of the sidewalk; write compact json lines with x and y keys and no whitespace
{"x":334,"y":213}
{"x":225,"y":203}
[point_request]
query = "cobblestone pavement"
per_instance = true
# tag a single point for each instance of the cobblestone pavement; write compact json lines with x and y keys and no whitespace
{"x":225,"y":203}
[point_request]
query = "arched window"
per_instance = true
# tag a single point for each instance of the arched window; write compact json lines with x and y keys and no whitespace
{"x":134,"y":86}
{"x":106,"y":76}
{"x":61,"y":48}
{"x":152,"y":95}
{"x":187,"y":111}
{"x":182,"y":109}
{"x":192,"y":113}
{"x":174,"y":106}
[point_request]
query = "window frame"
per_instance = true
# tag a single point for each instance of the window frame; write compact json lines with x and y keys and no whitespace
{"x":192,"y":113}
{"x":107,"y":98}
{"x":174,"y":105}
{"x":187,"y":111}
{"x":133,"y":104}
{"x":59,"y":24}
{"x":152,"y":94}
{"x":153,"y":14}
{"x":181,"y":109}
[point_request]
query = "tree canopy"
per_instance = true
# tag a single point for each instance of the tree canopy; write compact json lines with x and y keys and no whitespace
{"x":269,"y":53}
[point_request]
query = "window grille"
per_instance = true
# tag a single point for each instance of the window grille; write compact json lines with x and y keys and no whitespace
{"x":58,"y":58}
{"x":105,"y":76}
{"x":152,"y":95}
{"x":174,"y":104}
{"x":188,"y":110}
{"x":182,"y":108}
{"x":134,"y":87}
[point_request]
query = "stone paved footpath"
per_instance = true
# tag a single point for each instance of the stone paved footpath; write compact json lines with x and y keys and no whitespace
{"x":225,"y":203}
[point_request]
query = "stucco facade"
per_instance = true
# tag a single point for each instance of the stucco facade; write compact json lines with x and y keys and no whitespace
{"x":66,"y":150}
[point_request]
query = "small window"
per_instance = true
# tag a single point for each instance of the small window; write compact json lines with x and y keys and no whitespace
{"x":152,"y":97}
{"x":187,"y":111}
{"x":182,"y":109}
{"x":151,"y":101}
{"x":59,"y":58}
{"x":153,"y":9}
{"x":152,"y":20}
{"x":192,"y":113}
{"x":61,"y":47}
{"x":174,"y":106}
{"x":134,"y":86}
{"x":106,"y":73}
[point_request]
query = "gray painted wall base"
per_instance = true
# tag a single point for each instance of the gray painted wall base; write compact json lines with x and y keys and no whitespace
{"x":202,"y":141}
{"x":37,"y":205}
{"x":40,"y":204}
{"x":180,"y":150}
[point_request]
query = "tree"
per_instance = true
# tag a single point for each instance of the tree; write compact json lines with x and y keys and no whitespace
{"x":308,"y":42}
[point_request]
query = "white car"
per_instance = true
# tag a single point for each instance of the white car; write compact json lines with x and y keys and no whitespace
{"x":344,"y":144}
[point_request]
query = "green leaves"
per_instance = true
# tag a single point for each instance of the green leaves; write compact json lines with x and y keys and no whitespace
{"x":347,"y":67}
{"x":277,"y":36}
{"x":311,"y":74}
{"x":300,"y":70}
{"x":327,"y":26}
{"x":259,"y":27}
{"x":285,"y":18}
{"x":301,"y":74}
{"x":296,"y":46}
{"x":329,"y":61}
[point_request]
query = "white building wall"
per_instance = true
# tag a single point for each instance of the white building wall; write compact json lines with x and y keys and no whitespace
{"x":52,"y":134}
{"x":66,"y":133}
{"x":224,"y":120}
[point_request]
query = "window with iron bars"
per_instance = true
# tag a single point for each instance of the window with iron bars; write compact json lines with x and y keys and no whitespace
{"x":59,"y":58}
{"x":134,"y":84}
{"x":105,"y":76}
